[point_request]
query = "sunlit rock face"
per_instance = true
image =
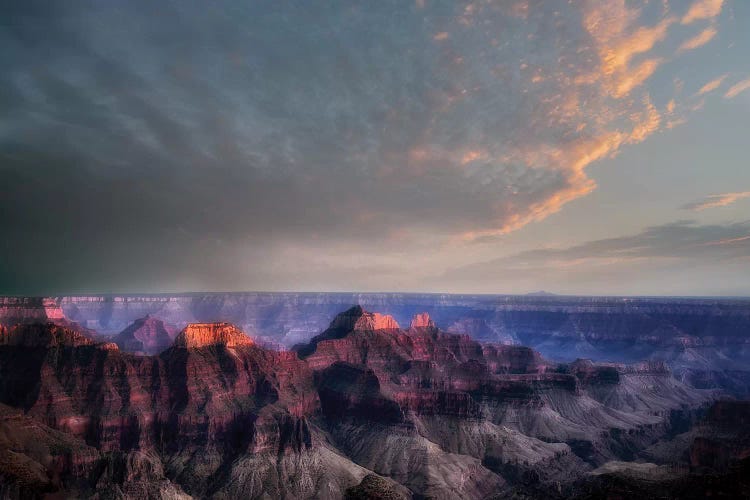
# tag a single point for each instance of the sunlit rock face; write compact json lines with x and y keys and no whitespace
{"x":197,"y":335}
{"x":422,"y":321}
{"x":357,"y":319}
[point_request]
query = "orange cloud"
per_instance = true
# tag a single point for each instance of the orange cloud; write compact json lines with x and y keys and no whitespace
{"x":699,"y":40}
{"x":702,"y":9}
{"x":586,"y":113}
{"x":717,"y":200}
{"x":443,"y":35}
{"x":470,"y":156}
{"x":636,"y":77}
{"x":737,"y":89}
{"x":712,"y":85}
{"x":646,"y":123}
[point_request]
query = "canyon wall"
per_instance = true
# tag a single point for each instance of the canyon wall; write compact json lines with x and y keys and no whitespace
{"x":705,"y":340}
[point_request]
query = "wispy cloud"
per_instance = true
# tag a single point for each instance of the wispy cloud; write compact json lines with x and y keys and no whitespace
{"x":660,"y":259}
{"x":716,"y":200}
{"x":454,"y":120}
{"x":700,"y":39}
{"x":712,"y":85}
{"x":702,"y":10}
{"x":737,"y":89}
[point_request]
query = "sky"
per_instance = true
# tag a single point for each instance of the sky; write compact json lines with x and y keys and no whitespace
{"x":578,"y":147}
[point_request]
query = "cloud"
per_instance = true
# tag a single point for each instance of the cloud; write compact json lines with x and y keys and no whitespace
{"x":658,"y":260}
{"x":700,"y":39}
{"x":701,"y":10}
{"x":737,"y":89}
{"x":211,"y":136}
{"x":716,"y":200}
{"x":712,"y":85}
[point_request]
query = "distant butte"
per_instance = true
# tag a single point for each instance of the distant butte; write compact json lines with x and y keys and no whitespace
{"x":197,"y":335}
{"x":422,"y":321}
{"x":357,"y":319}
{"x":147,"y":335}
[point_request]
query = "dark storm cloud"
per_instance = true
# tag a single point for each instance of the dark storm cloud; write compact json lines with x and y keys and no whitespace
{"x":148,"y":144}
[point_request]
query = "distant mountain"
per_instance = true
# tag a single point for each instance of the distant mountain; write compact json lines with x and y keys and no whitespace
{"x":147,"y":335}
{"x":541,"y":293}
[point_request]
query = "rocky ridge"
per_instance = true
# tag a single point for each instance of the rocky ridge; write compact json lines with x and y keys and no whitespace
{"x":703,"y":340}
{"x":365,"y":405}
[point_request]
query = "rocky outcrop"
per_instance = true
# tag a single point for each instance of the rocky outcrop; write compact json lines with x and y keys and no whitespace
{"x":197,"y":335}
{"x":44,"y":336}
{"x":16,"y":310}
{"x":147,"y":335}
{"x":216,"y":415}
{"x":702,"y":340}
{"x":422,"y":321}
{"x":357,"y":319}
{"x":709,"y":460}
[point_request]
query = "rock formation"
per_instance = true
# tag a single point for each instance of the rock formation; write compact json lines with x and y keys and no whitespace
{"x":197,"y":335}
{"x":357,"y":319}
{"x":43,"y":335}
{"x":422,"y":321}
{"x":703,"y":339}
{"x":365,"y":406}
{"x":147,"y":335}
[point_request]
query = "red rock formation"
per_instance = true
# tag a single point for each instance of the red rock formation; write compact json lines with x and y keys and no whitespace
{"x":14,"y":310}
{"x":147,"y":335}
{"x":441,"y":413}
{"x":43,"y":335}
{"x":422,"y":321}
{"x":197,"y":335}
{"x":357,"y":319}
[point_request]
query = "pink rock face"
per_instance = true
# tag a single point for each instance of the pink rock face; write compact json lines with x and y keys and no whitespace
{"x":357,"y":319}
{"x":197,"y":335}
{"x":422,"y":320}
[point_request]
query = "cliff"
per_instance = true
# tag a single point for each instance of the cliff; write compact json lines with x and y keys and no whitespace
{"x":197,"y":335}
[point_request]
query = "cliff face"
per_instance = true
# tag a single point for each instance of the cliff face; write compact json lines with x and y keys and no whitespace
{"x":441,"y":415}
{"x":197,"y":335}
{"x":15,"y":310}
{"x":710,"y":460}
{"x":358,"y":319}
{"x":44,"y":335}
{"x":422,"y":321}
{"x":193,"y":410}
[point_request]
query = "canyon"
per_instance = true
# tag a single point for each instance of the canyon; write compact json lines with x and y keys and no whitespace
{"x":703,"y":340}
{"x":364,"y":408}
